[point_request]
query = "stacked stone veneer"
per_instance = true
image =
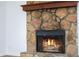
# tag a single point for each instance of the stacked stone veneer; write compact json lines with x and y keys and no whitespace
{"x":50,"y":19}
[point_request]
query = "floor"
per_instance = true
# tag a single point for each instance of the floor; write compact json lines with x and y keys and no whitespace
{"x":9,"y":56}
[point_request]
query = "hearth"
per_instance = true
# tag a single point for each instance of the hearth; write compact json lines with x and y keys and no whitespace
{"x":51,"y":41}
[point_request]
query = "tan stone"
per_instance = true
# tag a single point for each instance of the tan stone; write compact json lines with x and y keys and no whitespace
{"x":50,"y":25}
{"x":40,"y":54}
{"x":53,"y":11}
{"x":71,"y":50}
{"x":29,"y":18}
{"x":73,"y":29}
{"x":48,"y":10}
{"x":22,"y":54}
{"x":73,"y":41}
{"x":65,"y":24}
{"x":46,"y":16}
{"x":53,"y":17}
{"x":33,"y":38}
{"x":29,"y":35}
{"x":47,"y":26}
{"x":36,"y":23}
{"x":72,"y":33}
{"x":57,"y":19}
{"x":27,"y":55}
{"x":72,"y":17}
{"x":70,"y":36}
{"x":31,"y":47}
{"x":32,"y":43}
{"x":36,"y":14}
{"x":61,"y":12}
{"x":72,"y":10}
{"x":30,"y":27}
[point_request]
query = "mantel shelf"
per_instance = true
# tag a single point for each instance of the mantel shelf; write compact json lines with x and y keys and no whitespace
{"x":47,"y":5}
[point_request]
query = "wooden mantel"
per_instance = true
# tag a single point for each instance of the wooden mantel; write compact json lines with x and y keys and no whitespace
{"x":46,"y":5}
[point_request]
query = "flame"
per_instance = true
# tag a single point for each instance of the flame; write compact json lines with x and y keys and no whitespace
{"x":52,"y":42}
{"x":49,"y":42}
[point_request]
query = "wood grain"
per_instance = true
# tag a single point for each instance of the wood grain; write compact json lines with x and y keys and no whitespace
{"x":47,"y":5}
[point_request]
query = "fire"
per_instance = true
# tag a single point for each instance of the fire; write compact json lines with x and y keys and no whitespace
{"x":49,"y":42}
{"x":52,"y":42}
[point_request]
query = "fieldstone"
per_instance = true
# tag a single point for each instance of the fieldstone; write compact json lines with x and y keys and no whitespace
{"x":32,"y":41}
{"x":27,"y":55}
{"x":72,"y":33}
{"x":53,"y":17}
{"x":53,"y":11}
{"x":30,"y":27}
{"x":36,"y":14}
{"x":65,"y":24}
{"x":72,"y":41}
{"x":58,"y":20}
{"x":71,"y":38}
{"x":50,"y":25}
{"x":29,"y":35}
{"x":73,"y":29}
{"x":71,"y":50}
{"x":40,"y":54}
{"x":46,"y":16}
{"x":46,"y":26}
{"x":72,"y":18}
{"x":29,"y":18}
{"x":61,"y":12}
{"x":33,"y":38}
{"x":48,"y":10}
{"x":72,"y":10}
{"x":30,"y":47}
{"x":36,"y":23}
{"x":22,"y":55}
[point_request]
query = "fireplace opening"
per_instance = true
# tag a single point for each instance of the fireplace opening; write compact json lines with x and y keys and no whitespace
{"x":50,"y":41}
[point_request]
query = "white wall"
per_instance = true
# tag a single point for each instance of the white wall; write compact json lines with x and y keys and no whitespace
{"x":12,"y":28}
{"x":2,"y":27}
{"x":16,"y":28}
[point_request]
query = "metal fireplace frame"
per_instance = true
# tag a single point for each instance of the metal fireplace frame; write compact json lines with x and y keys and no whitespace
{"x":54,"y":33}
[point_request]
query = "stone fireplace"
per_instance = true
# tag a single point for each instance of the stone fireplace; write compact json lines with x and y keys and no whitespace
{"x":51,"y":32}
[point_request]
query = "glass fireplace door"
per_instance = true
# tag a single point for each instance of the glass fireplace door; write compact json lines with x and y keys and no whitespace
{"x":48,"y":42}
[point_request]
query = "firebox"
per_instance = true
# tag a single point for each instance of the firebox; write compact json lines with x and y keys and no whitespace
{"x":52,"y":41}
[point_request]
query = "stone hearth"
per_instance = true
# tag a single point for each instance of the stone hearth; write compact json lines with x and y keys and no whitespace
{"x":51,"y":19}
